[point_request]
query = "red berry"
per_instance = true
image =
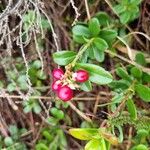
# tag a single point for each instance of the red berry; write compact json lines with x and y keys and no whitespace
{"x":58,"y":73}
{"x":81,"y":76}
{"x":56,"y":85}
{"x":65,"y":93}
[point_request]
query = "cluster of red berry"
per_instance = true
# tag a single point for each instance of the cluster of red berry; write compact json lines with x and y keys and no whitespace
{"x":64,"y":85}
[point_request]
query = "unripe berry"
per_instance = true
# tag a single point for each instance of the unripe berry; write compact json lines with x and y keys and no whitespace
{"x":81,"y":76}
{"x":65,"y":93}
{"x":58,"y":73}
{"x":56,"y":85}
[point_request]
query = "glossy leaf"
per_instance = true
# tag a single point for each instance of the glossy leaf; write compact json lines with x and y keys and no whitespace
{"x":125,"y":17}
{"x":119,"y":8}
{"x":136,"y":72}
{"x":131,"y":108}
{"x":140,"y":59}
{"x":94,"y":145}
{"x":86,"y":86}
{"x":83,"y":134}
{"x":99,"y":55}
{"x":94,"y":26}
{"x":57,"y":113}
{"x":143,"y":92}
{"x":97,"y":74}
{"x":103,"y":18}
{"x":100,"y":44}
{"x":123,"y":74}
{"x":108,"y":35}
{"x":81,"y":30}
{"x":64,"y":57}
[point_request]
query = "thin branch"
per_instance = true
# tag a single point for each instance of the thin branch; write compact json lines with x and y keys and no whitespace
{"x":79,"y":112}
{"x":87,"y":9}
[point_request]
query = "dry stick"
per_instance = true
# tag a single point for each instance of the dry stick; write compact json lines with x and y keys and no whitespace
{"x":96,"y":103}
{"x":76,"y":12}
{"x":128,"y":61}
{"x":8,"y":11}
{"x":119,"y":108}
{"x":48,"y":98}
{"x":79,"y":112}
{"x":129,"y":138}
{"x":87,"y":9}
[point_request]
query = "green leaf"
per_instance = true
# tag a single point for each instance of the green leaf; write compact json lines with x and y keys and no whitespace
{"x":140,"y":59}
{"x":41,"y":75}
{"x":11,"y":87}
{"x":79,"y":39}
{"x":136,"y":2}
{"x":83,"y":134}
{"x":45,"y":24}
{"x":90,"y":51}
{"x":99,"y":55}
{"x":122,"y":73}
{"x":143,"y":92}
{"x":141,"y":147}
{"x":108,"y":35}
{"x":119,"y":84}
{"x":136,"y":72}
{"x":13,"y":130}
{"x":100,"y":44}
{"x":131,"y":108}
{"x":52,"y":121}
{"x":103,"y":18}
{"x":97,"y":74}
{"x":94,"y":145}
{"x":41,"y":146}
{"x":86,"y":86}
{"x":146,"y":77}
{"x":80,"y":30}
{"x":94,"y":26}
{"x":37,"y":64}
{"x":64,"y":57}
{"x":37,"y":109}
{"x":57,"y":113}
{"x":120,"y":8}
{"x":142,"y":133}
{"x":47,"y":135}
{"x":8,"y":141}
{"x":120,"y":133}
{"x":63,"y":140}
{"x":27,"y":109}
{"x":125,"y":17}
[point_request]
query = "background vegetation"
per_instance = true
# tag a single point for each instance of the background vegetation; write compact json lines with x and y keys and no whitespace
{"x":110,"y":40}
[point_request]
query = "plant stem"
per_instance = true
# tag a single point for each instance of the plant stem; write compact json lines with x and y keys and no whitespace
{"x":87,"y":9}
{"x":81,"y":51}
{"x":80,"y":113}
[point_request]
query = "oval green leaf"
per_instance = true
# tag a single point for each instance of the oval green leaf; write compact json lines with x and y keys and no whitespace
{"x":131,"y":108}
{"x":143,"y":92}
{"x":100,"y":44}
{"x":86,"y":86}
{"x":80,"y":30}
{"x":108,"y":35}
{"x":83,"y":134}
{"x":94,"y":26}
{"x":63,"y":58}
{"x":94,"y":145}
{"x":97,"y":74}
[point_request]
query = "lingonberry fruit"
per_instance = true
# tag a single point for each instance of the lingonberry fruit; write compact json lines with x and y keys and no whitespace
{"x":65,"y":93}
{"x":56,"y":85}
{"x":81,"y":76}
{"x":58,"y":73}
